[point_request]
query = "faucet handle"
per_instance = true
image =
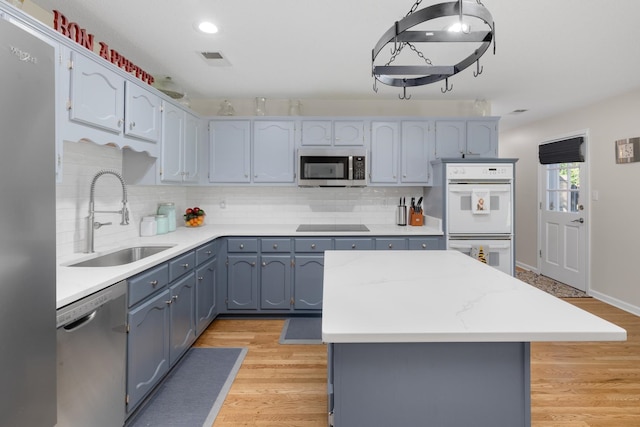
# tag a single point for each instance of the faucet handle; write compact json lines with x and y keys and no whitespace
{"x":125,"y":216}
{"x":97,"y":224}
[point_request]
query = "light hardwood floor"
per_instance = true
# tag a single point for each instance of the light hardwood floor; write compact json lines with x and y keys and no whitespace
{"x":572,"y":384}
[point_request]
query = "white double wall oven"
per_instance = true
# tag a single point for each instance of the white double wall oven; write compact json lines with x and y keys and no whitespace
{"x":479,"y":211}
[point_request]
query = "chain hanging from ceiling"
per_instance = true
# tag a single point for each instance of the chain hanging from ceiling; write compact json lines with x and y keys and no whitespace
{"x":403,"y":34}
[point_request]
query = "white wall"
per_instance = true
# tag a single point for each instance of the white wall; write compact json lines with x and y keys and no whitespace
{"x":224,"y":205}
{"x":613,"y":221}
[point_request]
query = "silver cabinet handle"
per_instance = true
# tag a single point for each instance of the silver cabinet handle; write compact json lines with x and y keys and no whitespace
{"x":313,"y":246}
{"x":175,"y":297}
{"x":390,"y":245}
{"x":253,"y":264}
{"x":185,"y":265}
{"x":209,"y":252}
{"x":119,"y":122}
{"x":200,"y":278}
{"x":132,"y":125}
{"x":353,"y":246}
{"x":424,"y":246}
{"x":241,"y":246}
{"x":153,"y":282}
{"x":275,"y":246}
{"x":168,"y":302}
{"x":264,"y":264}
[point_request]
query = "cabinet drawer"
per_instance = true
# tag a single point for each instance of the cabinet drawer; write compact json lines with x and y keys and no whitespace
{"x":145,"y":284}
{"x":181,"y":265}
{"x":313,"y":245}
{"x":354,"y":244}
{"x":275,"y":245}
{"x":391,"y":244}
{"x":242,"y":245}
{"x":426,"y":243}
{"x":206,"y":252}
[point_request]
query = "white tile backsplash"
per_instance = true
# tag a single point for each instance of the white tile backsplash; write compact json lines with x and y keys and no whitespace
{"x":223,"y":204}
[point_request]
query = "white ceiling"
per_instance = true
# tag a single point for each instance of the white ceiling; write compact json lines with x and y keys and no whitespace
{"x":551,"y":56}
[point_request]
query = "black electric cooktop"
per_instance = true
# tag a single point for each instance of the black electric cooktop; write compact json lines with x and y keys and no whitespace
{"x":332,"y":227}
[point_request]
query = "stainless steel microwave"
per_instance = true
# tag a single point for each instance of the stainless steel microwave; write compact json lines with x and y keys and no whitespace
{"x":328,"y":167}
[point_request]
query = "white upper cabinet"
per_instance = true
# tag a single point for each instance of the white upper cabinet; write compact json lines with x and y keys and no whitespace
{"x":97,"y":95}
{"x":384,"y":153}
{"x":417,"y":151}
{"x":142,"y":113}
{"x":273,"y":151}
{"x":333,"y":133}
{"x":179,"y":154}
{"x":466,"y":138}
{"x":230,"y":151}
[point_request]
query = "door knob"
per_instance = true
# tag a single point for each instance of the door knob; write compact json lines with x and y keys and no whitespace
{"x":580,"y":220}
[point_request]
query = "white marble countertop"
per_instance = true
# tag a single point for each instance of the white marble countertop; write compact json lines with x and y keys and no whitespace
{"x":443,"y":296}
{"x":74,"y":283}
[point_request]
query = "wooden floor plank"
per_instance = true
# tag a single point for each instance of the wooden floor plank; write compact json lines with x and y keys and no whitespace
{"x":572,"y":384}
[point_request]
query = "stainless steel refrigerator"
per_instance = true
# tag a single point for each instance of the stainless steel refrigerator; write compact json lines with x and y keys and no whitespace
{"x":27,"y":230}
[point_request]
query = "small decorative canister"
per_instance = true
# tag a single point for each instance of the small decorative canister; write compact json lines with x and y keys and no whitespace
{"x":168,"y":209}
{"x":148,"y":226}
{"x":162,"y":224}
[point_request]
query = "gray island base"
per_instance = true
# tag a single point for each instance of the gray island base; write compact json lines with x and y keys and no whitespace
{"x":437,"y":339}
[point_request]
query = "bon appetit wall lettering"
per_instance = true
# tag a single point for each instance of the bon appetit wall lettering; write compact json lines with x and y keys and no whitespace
{"x":80,"y":35}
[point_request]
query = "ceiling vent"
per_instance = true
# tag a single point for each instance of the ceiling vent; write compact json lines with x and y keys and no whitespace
{"x":215,"y":59}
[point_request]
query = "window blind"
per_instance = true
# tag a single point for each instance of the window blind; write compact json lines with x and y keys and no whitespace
{"x":565,"y":151}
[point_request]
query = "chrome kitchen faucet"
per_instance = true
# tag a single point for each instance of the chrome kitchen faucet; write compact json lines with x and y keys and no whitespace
{"x":91,"y":223}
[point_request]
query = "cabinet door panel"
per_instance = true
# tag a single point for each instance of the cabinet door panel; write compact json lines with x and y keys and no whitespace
{"x":242,"y":282}
{"x":316,"y":132}
{"x":142,"y":113}
{"x":275,"y":282}
{"x":172,"y":137}
{"x":190,"y":148}
{"x":148,"y":347}
{"x":206,"y":282}
{"x":384,"y":152}
{"x":229,"y":151}
{"x":348,"y":132}
{"x":416,"y":147}
{"x":451,"y":138}
{"x":97,"y":95}
{"x":309,"y":274}
{"x":482,"y":140}
{"x":182,"y":319}
{"x":273,"y":151}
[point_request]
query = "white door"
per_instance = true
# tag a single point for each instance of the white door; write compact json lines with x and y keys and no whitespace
{"x":563,"y":231}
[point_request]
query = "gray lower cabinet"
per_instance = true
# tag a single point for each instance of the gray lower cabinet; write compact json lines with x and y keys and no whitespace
{"x":309,"y":274}
{"x":161,"y":324}
{"x":242,"y":282}
{"x":275,"y":282}
{"x":206,"y":301}
{"x":147,"y":347}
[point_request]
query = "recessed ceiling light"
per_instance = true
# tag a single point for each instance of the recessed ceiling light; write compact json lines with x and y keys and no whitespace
{"x":207,"y":27}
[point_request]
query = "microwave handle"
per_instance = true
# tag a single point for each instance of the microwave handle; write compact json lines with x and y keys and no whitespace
{"x":350,"y":178}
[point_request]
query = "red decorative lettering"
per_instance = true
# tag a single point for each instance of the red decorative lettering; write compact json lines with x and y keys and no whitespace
{"x":104,"y":50}
{"x":60,"y":23}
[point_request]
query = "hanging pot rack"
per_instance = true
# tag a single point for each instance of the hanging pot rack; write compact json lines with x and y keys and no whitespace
{"x":401,"y":35}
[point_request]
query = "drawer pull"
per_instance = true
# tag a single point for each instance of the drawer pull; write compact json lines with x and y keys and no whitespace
{"x":168,"y":302}
{"x":424,"y":246}
{"x":241,"y":245}
{"x":175,"y":297}
{"x":313,"y":246}
{"x":264,"y":264}
{"x":353,"y":246}
{"x":253,"y":264}
{"x":390,"y":245}
{"x":200,"y":278}
{"x":185,"y":265}
{"x":153,"y":282}
{"x":208,"y":252}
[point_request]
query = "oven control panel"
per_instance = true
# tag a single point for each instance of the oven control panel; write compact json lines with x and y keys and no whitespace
{"x":481,"y":171}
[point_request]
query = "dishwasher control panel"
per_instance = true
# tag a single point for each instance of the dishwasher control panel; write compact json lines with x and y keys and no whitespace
{"x":87,"y":305}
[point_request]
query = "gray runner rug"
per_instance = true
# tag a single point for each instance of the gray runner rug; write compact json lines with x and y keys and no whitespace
{"x":193,"y":393}
{"x":302,"y":330}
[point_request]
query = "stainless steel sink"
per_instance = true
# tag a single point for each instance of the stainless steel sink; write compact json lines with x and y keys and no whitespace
{"x":121,"y":257}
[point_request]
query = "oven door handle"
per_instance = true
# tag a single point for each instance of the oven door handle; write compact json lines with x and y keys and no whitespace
{"x":468,"y":246}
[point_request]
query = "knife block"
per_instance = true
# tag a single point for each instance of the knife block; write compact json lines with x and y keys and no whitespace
{"x":415,"y":218}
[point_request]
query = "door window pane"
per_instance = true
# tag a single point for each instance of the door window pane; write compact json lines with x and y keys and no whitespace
{"x":563,"y":186}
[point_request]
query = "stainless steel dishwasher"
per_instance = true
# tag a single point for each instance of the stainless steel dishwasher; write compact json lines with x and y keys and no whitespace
{"x":92,"y":342}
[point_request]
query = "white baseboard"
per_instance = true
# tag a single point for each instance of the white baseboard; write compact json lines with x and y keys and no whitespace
{"x":527,"y":267}
{"x":615,"y":302}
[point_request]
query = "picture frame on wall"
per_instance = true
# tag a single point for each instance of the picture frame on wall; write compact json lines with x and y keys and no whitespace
{"x":628,"y":150}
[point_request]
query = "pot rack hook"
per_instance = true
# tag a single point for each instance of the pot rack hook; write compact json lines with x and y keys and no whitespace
{"x":446,"y":87}
{"x":404,"y":93}
{"x":479,"y":69}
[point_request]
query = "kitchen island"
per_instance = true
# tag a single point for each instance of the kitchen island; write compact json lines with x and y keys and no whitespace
{"x":437,"y":339}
